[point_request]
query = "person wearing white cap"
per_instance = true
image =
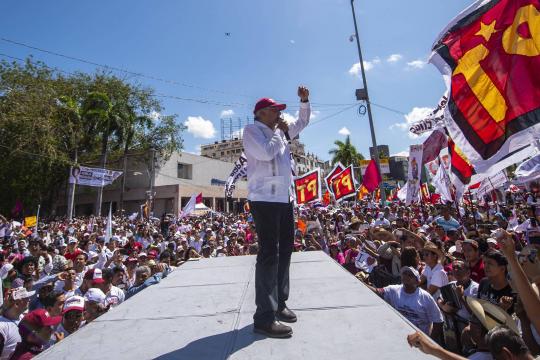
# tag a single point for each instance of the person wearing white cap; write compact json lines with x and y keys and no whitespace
{"x":95,"y":304}
{"x":72,"y":317}
{"x":9,"y":321}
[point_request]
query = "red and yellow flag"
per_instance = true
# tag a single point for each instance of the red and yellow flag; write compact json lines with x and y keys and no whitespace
{"x":308,"y":187}
{"x":343,"y":184}
{"x":326,"y":198}
{"x":362,"y":192}
{"x":490,"y":56}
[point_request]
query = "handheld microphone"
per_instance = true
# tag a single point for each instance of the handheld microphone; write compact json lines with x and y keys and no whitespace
{"x":287,"y":136}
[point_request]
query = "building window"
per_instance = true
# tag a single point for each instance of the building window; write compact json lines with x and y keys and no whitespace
{"x":184,"y":171}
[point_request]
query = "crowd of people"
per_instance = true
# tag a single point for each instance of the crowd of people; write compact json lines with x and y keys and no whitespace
{"x":466,"y":276}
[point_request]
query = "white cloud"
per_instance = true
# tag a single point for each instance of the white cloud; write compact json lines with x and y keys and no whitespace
{"x":416,"y":114}
{"x":402,"y":153}
{"x":394,"y":58}
{"x":227,"y":113}
{"x":344,"y":131}
{"x":289,"y":119}
{"x":368,"y":65}
{"x":200,"y":128}
{"x":416,"y":64}
{"x":292,"y":42}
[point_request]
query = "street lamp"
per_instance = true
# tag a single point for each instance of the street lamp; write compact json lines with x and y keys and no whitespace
{"x":362,"y":94}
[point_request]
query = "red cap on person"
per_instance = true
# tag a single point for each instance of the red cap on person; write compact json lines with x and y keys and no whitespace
{"x":266,"y":103}
{"x":95,"y":275}
{"x":36,"y":320}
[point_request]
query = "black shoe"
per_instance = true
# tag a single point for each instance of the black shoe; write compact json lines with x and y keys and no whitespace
{"x":274,"y":330}
{"x":286,"y":315}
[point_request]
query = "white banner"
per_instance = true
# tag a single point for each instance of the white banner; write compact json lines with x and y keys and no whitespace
{"x":528,"y":170}
{"x":83,"y":175}
{"x":189,"y":208}
{"x":402,"y":193}
{"x":432,"y":121}
{"x":414,"y":174}
{"x":433,"y":166}
{"x":491,"y":183}
{"x":239,"y":171}
{"x":442,"y":184}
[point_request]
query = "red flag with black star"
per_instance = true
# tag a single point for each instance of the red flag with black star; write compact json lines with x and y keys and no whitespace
{"x":490,"y":56}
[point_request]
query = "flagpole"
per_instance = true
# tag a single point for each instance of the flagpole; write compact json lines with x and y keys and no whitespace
{"x":362,"y":94}
{"x":37,"y":217}
{"x":472,"y":211}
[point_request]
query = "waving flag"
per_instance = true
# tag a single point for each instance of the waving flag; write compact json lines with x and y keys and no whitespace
{"x":489,"y":57}
{"x":335,"y":171}
{"x":343,"y":184}
{"x":372,"y":178}
{"x":308,"y":187}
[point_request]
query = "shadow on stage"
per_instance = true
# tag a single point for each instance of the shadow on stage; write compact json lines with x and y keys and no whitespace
{"x":219,"y":346}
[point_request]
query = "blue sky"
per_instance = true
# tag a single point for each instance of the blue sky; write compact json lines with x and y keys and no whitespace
{"x":273,"y":47}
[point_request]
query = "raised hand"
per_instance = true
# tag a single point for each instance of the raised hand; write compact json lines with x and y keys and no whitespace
{"x":303,"y":93}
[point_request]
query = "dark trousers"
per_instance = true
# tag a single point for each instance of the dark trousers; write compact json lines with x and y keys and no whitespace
{"x":274,"y":223}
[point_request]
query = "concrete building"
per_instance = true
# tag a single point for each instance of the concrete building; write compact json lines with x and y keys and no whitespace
{"x":230,"y":150}
{"x":174,"y":182}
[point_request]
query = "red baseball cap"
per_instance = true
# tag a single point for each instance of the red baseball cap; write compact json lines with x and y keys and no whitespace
{"x":36,"y":320}
{"x":266,"y":103}
{"x":95,"y":275}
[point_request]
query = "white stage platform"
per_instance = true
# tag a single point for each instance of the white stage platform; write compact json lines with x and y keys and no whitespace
{"x":204,"y":310}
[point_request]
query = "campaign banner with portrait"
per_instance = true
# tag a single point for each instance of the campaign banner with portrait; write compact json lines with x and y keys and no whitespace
{"x":414,"y":174}
{"x":88,"y":176}
{"x":308,"y":187}
{"x":343,"y":185}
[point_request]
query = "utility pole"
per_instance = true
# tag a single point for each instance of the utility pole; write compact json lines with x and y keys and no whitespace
{"x":152,"y":180}
{"x":362,"y":94}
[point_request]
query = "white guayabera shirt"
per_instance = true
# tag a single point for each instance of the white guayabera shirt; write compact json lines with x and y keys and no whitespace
{"x":269,"y":158}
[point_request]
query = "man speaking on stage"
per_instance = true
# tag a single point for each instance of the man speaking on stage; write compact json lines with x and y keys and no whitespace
{"x":267,"y":148}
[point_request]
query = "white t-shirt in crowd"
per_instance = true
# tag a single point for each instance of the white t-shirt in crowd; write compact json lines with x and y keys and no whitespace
{"x":115,"y":296}
{"x":419,"y":307}
{"x":59,"y":287}
{"x":437,"y":277}
{"x":9,"y":330}
{"x":471,"y":291}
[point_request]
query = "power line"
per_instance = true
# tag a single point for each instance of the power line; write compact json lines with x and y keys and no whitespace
{"x":332,"y":115}
{"x":172,"y":97}
{"x":137,"y":74}
{"x":202,"y":101}
{"x":388,"y":108}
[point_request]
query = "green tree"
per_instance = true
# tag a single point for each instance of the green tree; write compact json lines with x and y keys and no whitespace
{"x":50,"y":121}
{"x":346,"y":153}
